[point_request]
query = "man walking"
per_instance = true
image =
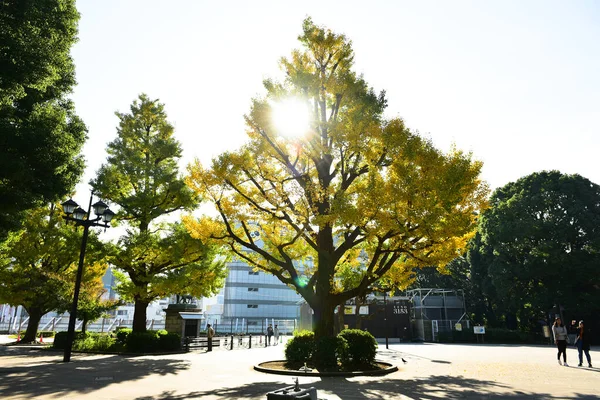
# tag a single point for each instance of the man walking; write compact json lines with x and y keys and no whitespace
{"x":269,"y":334}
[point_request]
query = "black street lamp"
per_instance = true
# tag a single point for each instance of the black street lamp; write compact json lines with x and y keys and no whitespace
{"x":78,"y":215}
{"x":385,"y":319}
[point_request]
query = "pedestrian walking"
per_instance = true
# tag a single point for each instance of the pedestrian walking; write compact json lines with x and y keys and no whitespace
{"x":583,"y":345}
{"x":210,"y":333}
{"x":269,"y":334}
{"x":276,"y":334}
{"x":560,"y":339}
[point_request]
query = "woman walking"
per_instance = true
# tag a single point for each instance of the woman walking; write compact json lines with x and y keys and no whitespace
{"x":560,"y":339}
{"x":583,"y":345}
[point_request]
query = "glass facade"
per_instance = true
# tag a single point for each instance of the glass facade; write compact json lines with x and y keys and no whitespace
{"x":257,"y":296}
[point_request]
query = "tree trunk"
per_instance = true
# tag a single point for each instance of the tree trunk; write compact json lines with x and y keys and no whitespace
{"x":84,"y":323}
{"x":340,"y":315}
{"x":35,"y":315}
{"x":139,"y":316}
{"x":323,"y":323}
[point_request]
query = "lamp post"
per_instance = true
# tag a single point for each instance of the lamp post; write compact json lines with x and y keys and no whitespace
{"x":385,"y":319}
{"x":80,"y":217}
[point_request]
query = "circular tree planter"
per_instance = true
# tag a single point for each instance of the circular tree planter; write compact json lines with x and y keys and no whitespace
{"x":278,"y":367}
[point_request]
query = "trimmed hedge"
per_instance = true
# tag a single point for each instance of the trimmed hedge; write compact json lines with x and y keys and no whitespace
{"x":45,"y":334}
{"x":350,"y":348}
{"x":60,"y":340}
{"x":362,"y":347}
{"x":122,"y":341}
{"x":121,"y":334}
{"x":301,"y":347}
{"x":142,"y":342}
{"x":328,"y":350}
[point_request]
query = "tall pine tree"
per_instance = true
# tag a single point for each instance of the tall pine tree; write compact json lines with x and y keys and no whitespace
{"x":142,"y":177}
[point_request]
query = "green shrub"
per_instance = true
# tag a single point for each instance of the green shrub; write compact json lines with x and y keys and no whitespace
{"x":464,"y":336}
{"x":168,"y":341}
{"x":60,"y":340}
{"x":105,"y":342}
{"x":142,"y":342}
{"x":85,"y":341}
{"x":328,"y":350}
{"x":301,"y":347}
{"x":122,"y":334}
{"x":362,"y":347}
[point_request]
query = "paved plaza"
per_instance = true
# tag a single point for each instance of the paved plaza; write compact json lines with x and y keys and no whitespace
{"x":432,"y":371}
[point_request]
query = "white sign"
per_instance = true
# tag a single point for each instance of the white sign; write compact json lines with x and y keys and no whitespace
{"x":458,"y":326}
{"x":479,"y":330}
{"x":400,"y":309}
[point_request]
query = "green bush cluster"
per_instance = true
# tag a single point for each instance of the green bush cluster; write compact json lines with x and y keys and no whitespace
{"x":45,"y":334}
{"x":123,"y":340}
{"x":87,"y":341}
{"x":301,"y":347}
{"x":350,"y":348}
{"x":362,"y":346}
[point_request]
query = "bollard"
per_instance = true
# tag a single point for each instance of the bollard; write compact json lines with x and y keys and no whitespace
{"x":231,"y":343}
{"x":250,"y":342}
{"x":265,"y":340}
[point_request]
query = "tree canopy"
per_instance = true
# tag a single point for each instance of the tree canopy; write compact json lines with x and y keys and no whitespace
{"x":539,"y":246}
{"x":354,"y":191}
{"x":40,"y":135}
{"x":38,"y":265}
{"x":141,"y":176}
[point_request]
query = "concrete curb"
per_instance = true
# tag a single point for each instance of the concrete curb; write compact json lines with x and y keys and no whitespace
{"x":391,"y":368}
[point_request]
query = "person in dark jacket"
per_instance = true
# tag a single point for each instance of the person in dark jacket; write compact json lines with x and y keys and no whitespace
{"x":583,"y":344}
{"x":269,"y":333}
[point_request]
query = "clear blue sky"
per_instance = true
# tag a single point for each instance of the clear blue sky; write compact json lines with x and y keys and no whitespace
{"x":515,"y":82}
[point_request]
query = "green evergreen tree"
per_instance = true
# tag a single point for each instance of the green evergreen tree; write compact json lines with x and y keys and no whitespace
{"x":40,"y":135}
{"x":141,"y":176}
{"x":539,"y":246}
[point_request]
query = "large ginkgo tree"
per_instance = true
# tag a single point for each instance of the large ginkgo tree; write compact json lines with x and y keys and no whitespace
{"x":327,"y":188}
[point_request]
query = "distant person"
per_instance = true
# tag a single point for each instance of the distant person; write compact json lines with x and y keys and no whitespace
{"x":560,"y":339}
{"x":583,"y":344}
{"x":269,"y":334}
{"x":276,"y":334}
{"x":210,"y":333}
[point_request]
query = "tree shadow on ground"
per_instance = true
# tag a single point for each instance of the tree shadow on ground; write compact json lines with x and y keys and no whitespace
{"x":431,"y":388}
{"x":397,"y":357}
{"x":81,"y":375}
{"x":15,"y":351}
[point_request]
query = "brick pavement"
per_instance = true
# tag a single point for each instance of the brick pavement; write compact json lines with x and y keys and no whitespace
{"x":433,"y":371}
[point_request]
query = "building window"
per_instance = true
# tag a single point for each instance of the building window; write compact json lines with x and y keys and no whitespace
{"x":252,"y":272}
{"x":121,"y":312}
{"x":253,"y":289}
{"x":252,"y":305}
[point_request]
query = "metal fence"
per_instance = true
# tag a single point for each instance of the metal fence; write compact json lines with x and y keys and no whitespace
{"x":429,"y":330}
{"x":61,"y":323}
